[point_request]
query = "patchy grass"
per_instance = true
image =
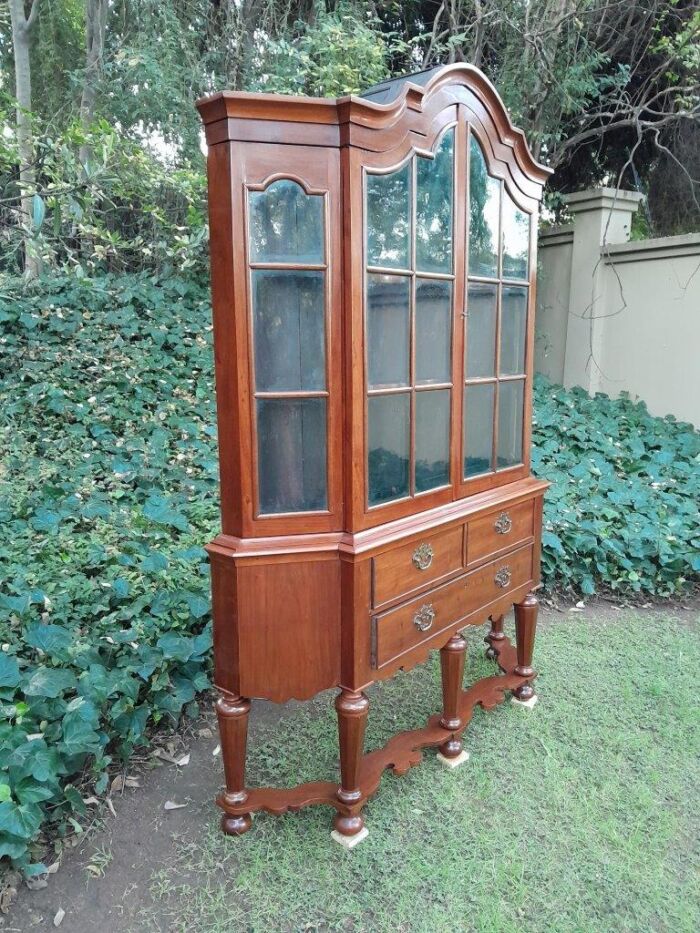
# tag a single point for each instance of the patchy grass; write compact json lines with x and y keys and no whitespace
{"x":577,"y":816}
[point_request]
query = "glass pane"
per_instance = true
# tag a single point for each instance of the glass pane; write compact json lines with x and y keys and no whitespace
{"x":388,"y":325}
{"x":516,"y":239}
{"x":289,"y":330}
{"x":481,"y":330}
{"x":510,"y":423}
{"x":434,"y":209}
{"x":478,"y":428}
{"x":292,"y":455}
{"x":388,"y":440}
{"x":513,"y":327}
{"x":286,"y":224}
{"x":484,"y":194}
{"x":389,"y":219}
{"x":433,"y":330}
{"x":432,"y":439}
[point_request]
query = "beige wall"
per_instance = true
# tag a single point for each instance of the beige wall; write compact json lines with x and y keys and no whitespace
{"x":616,"y":316}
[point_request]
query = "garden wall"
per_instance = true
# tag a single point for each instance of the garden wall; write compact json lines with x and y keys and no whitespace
{"x":614,"y":315}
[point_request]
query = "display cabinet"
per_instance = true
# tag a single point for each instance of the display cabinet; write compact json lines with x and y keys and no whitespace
{"x":373,"y":273}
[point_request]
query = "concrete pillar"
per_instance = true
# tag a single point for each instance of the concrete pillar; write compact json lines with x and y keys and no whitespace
{"x":601,"y":217}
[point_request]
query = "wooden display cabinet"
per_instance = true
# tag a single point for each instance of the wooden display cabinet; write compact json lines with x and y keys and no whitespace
{"x":373,"y":276}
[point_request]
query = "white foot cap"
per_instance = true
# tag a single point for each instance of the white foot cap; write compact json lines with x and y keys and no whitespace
{"x":453,"y":762}
{"x":526,"y":704}
{"x":349,"y":842}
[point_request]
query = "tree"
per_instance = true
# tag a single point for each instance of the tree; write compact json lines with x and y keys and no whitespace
{"x":95,"y":25}
{"x":21,"y":30}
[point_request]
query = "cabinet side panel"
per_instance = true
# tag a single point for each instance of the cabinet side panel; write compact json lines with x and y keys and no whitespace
{"x":225,"y":627}
{"x":289,"y":627}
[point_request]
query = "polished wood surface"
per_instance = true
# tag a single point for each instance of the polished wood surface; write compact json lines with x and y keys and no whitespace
{"x":351,"y":593}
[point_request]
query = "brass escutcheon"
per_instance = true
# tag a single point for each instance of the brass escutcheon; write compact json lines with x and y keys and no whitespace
{"x":502,"y":578}
{"x":422,"y":556}
{"x":423,"y":619}
{"x":503,"y":524}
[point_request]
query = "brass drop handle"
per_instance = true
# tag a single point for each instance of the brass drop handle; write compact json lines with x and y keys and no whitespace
{"x":502,"y":578}
{"x":503,"y":524}
{"x":422,"y":557}
{"x":424,"y":618}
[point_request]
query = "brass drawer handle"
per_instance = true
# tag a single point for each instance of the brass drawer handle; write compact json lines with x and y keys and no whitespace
{"x":422,"y":557}
{"x":503,"y":524}
{"x":423,"y":619}
{"x":502,"y":578}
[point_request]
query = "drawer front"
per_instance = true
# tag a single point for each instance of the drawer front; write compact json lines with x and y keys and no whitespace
{"x":499,"y":530}
{"x":405,"y":569}
{"x":401,"y":629}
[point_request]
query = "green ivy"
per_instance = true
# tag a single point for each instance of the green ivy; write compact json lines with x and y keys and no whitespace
{"x":109,"y":487}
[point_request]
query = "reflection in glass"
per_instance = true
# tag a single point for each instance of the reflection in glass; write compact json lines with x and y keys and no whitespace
{"x":389,"y":218}
{"x":484,"y":205}
{"x":388,"y":324}
{"x":478,"y":428}
{"x":388,"y":442}
{"x":510,"y":423}
{"x":289,"y":330}
{"x":516,"y":237}
{"x":513,"y":328}
{"x":291,"y":455}
{"x":432,"y":439}
{"x":481,"y":330}
{"x":434,"y":209}
{"x":433,"y":330}
{"x":286,"y":224}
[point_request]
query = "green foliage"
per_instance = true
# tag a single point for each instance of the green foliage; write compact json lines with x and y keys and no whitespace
{"x":622,"y":512}
{"x":108,"y":487}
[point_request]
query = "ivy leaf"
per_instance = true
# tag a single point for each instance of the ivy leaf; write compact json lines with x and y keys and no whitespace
{"x":197,"y":604}
{"x":21,"y":820}
{"x":51,"y":639}
{"x":160,"y":510}
{"x":50,"y":682}
{"x":9,"y":670}
{"x":176,"y":647}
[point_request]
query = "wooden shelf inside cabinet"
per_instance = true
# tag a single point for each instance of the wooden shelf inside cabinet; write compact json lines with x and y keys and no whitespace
{"x":373,"y":277}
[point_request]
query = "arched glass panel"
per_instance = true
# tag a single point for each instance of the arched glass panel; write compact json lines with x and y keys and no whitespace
{"x":516,"y":240}
{"x":484,"y":211}
{"x":389,"y":219}
{"x":434,"y":208}
{"x":286,"y":224}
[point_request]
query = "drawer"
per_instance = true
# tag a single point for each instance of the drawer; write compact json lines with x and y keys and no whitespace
{"x":401,"y":629}
{"x":403,"y":570}
{"x":499,"y":530}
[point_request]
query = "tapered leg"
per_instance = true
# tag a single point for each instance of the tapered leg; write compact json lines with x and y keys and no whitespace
{"x":232,"y":713}
{"x":495,"y":634}
{"x":525,"y":624}
{"x":452,"y":658}
{"x":352,"y":709}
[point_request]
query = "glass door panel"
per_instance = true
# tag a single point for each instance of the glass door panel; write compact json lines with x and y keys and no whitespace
{"x":434,"y":208}
{"x":388,"y":442}
{"x":484,"y":213}
{"x":388,"y":326}
{"x":478,"y":428}
{"x":286,"y":224}
{"x":481,"y":330}
{"x":389,"y":219}
{"x":289,"y":332}
{"x":433,"y":331}
{"x":432,"y":439}
{"x":513,"y":330}
{"x":291,"y":455}
{"x":516,"y":240}
{"x":510,"y":423}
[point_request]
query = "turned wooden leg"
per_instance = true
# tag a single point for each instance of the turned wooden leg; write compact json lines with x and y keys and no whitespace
{"x":352,"y":709}
{"x":232,"y":713}
{"x":495,"y":634}
{"x":525,"y":624}
{"x":452,"y":658}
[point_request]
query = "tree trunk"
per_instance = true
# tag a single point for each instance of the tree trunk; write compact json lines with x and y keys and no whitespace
{"x":21,"y":29}
{"x":95,"y":25}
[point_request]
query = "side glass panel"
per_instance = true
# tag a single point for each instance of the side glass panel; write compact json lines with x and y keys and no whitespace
{"x":478,"y":428}
{"x":433,"y":330}
{"x":289,"y":330}
{"x":434,"y":208}
{"x":388,"y":439}
{"x":389,"y":219}
{"x":388,"y":323}
{"x":484,"y":210}
{"x":481,"y":330}
{"x":432,"y":439}
{"x":516,"y":240}
{"x":510,"y":423}
{"x":291,"y":454}
{"x":286,"y":224}
{"x":513,"y":327}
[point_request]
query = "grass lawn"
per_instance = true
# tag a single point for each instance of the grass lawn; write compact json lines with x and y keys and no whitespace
{"x":579,"y":815}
